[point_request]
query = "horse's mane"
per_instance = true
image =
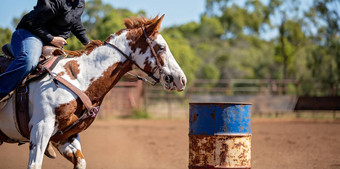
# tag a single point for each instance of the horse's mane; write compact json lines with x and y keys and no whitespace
{"x":130,"y":23}
{"x":137,"y":22}
{"x":87,"y":49}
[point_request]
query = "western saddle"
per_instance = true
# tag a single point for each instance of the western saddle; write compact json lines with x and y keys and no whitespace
{"x":48,"y":59}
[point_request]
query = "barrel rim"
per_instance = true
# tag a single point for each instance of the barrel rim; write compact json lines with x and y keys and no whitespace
{"x":220,"y":103}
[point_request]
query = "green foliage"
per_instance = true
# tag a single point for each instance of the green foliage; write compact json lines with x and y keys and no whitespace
{"x":5,"y":36}
{"x":227,"y":42}
{"x":210,"y":28}
{"x":139,"y":114}
{"x":211,"y":72}
{"x":183,"y":53}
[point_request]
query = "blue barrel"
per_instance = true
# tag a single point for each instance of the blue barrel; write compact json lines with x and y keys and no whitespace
{"x":219,"y":136}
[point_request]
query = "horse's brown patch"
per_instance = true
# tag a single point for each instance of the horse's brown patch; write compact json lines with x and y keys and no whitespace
{"x":65,"y":114}
{"x":72,"y":69}
{"x":69,"y":156}
{"x":79,"y":154}
{"x":74,"y":157}
{"x":147,"y":66}
{"x":61,"y":73}
{"x":157,"y":48}
{"x":138,"y":40}
{"x":100,"y":87}
{"x":135,"y":34}
{"x":68,"y":113}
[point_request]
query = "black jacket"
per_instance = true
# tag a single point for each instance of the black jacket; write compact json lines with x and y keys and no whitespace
{"x":51,"y":18}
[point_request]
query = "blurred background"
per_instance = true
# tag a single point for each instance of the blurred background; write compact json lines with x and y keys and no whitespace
{"x":268,"y":52}
{"x":283,"y":56}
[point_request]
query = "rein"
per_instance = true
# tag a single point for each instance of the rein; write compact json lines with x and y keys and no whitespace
{"x":153,"y":52}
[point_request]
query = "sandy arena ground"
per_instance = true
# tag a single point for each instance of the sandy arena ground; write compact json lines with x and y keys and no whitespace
{"x":163,"y":144}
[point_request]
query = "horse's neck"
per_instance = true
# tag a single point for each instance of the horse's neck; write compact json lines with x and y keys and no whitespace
{"x":102,"y":68}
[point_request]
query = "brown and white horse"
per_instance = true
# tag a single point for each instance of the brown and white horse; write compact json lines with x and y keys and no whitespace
{"x":97,"y":69}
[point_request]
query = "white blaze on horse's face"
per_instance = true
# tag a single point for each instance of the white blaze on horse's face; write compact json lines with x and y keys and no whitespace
{"x":172,"y":76}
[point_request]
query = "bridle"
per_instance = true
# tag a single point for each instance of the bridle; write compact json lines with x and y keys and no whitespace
{"x":153,"y":52}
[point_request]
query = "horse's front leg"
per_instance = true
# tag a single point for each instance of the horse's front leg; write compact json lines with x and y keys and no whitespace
{"x":41,"y":133}
{"x":71,"y":150}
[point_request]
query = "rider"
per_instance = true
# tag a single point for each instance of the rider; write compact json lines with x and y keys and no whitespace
{"x":49,"y":23}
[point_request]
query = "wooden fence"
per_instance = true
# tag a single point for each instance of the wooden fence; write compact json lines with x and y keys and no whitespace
{"x":266,"y":94}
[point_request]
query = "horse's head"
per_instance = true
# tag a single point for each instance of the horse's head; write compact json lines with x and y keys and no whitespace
{"x":151,"y":53}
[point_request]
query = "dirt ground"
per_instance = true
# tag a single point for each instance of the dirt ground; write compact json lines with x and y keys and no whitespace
{"x":163,"y":144}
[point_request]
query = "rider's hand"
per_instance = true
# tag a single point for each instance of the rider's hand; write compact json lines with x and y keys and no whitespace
{"x":58,"y":42}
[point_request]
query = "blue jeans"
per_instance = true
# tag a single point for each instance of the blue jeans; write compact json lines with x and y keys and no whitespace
{"x":26,"y":49}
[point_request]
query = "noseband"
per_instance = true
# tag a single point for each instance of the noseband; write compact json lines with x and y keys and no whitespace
{"x":153,"y":52}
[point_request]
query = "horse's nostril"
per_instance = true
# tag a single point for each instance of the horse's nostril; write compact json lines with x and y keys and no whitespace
{"x":168,"y":78}
{"x":183,"y":81}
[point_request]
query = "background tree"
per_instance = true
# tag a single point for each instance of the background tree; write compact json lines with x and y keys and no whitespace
{"x":324,"y":61}
{"x":275,"y":39}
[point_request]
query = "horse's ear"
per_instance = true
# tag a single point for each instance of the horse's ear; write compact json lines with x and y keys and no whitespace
{"x":156,"y":26}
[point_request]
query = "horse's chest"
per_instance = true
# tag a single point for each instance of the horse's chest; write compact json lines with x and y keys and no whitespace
{"x":66,"y":115}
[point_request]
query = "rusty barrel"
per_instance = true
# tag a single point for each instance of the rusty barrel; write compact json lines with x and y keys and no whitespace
{"x":219,"y":136}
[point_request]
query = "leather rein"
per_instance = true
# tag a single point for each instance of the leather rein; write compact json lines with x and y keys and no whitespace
{"x":153,"y":52}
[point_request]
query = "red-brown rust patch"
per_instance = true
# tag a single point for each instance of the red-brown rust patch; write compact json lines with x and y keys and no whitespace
{"x":200,"y":149}
{"x":72,"y":69}
{"x":195,"y":117}
{"x":213,"y":115}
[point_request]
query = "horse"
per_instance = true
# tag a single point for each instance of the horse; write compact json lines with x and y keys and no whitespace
{"x":54,"y":107}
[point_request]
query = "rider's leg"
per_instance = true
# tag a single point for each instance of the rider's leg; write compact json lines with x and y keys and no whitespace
{"x":26,"y":49}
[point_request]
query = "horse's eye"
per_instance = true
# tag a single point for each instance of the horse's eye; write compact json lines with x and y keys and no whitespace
{"x":162,"y":48}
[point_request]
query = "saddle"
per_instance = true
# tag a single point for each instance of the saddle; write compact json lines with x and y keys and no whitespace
{"x":49,"y":58}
